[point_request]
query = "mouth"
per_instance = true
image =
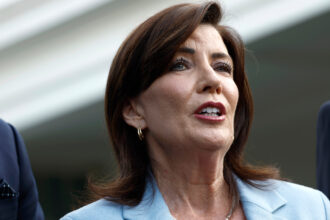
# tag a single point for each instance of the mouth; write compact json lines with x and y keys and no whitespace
{"x":214,"y":111}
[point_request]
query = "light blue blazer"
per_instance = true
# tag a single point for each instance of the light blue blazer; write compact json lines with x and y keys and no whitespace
{"x":281,"y":201}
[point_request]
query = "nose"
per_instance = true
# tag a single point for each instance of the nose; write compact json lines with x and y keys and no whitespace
{"x":209,"y":81}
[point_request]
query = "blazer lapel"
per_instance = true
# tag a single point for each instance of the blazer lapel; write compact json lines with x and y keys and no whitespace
{"x":255,"y":212}
{"x":260,"y":204}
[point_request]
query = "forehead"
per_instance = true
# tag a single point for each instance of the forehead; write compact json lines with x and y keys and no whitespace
{"x":206,"y":37}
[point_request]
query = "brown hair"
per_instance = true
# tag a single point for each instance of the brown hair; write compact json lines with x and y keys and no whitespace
{"x":142,"y":58}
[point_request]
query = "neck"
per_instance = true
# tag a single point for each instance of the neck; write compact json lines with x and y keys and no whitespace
{"x":192,"y":181}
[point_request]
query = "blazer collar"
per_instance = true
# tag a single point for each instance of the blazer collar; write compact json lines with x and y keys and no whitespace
{"x":257,"y":203}
{"x":260,"y":203}
{"x":152,"y":205}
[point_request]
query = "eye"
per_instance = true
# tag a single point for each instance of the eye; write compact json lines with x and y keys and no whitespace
{"x":179,"y":64}
{"x":223,"y":67}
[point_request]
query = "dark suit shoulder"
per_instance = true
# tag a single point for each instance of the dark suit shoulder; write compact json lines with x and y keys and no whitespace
{"x":6,"y":130}
{"x":324,"y":112}
{"x":8,"y":142}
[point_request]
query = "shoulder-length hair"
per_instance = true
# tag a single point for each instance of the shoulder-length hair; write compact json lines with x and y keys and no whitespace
{"x":142,"y":58}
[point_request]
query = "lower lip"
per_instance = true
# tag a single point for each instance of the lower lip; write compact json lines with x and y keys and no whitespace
{"x":210,"y":118}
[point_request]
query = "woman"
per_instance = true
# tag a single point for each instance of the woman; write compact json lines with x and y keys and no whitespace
{"x":179,"y":110}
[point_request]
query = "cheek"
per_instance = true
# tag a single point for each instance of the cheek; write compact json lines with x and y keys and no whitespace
{"x":236,"y":95}
{"x":166,"y":96}
{"x":233,"y":95}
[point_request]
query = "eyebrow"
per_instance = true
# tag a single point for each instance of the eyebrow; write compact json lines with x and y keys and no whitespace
{"x":186,"y":50}
{"x":214,"y":55}
{"x":220,"y":55}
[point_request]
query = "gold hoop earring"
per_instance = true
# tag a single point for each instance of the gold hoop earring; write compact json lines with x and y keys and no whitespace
{"x":140,"y":134}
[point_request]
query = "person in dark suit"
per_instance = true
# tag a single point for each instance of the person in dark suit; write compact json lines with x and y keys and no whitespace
{"x":18,"y":189}
{"x":323,"y":149}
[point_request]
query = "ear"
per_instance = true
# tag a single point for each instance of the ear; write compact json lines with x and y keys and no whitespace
{"x":132,"y":117}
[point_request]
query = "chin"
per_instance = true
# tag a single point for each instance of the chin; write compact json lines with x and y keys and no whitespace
{"x":216,"y":144}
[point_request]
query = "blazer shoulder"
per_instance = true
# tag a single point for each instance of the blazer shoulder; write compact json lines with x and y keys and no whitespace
{"x":5,"y":129}
{"x":9,"y":136}
{"x":9,"y":166}
{"x":100,"y":209}
{"x":276,"y":199}
{"x":3,"y":123}
{"x":304,"y":198}
{"x":325,"y":107}
{"x":288,"y":189}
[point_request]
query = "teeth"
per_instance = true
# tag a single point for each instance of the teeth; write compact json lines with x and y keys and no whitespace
{"x":211,"y":114}
{"x":211,"y":111}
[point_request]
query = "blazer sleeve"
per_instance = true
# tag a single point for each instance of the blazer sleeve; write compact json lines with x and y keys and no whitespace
{"x":29,"y":206}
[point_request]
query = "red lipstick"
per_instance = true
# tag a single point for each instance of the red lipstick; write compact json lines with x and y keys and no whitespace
{"x":218,"y":112}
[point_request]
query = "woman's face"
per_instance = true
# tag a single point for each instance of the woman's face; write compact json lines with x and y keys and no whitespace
{"x":193,"y":104}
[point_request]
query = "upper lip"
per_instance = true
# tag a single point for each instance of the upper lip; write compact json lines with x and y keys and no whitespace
{"x":218,"y":105}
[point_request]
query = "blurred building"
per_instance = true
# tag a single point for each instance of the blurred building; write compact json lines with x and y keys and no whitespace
{"x":55,"y":57}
